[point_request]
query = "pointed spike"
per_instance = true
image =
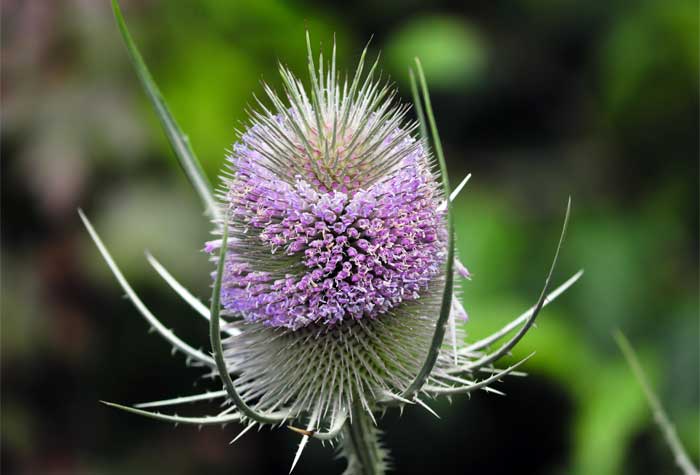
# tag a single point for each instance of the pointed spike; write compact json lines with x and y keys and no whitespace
{"x":483,"y":343}
{"x":481,"y":384}
{"x":302,"y":445}
{"x":506,"y":347}
{"x":461,"y":185}
{"x":453,"y":335}
{"x":182,"y":400}
{"x":462,"y":270}
{"x":398,"y":398}
{"x":427,"y":408}
{"x":242,"y":433}
{"x":455,"y":193}
{"x":207,"y":420}
{"x":227,"y":410}
{"x":136,"y":301}
{"x":193,"y":301}
{"x":297,"y":456}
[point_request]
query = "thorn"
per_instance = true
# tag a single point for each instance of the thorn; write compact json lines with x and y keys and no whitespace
{"x":297,"y":456}
{"x":455,"y":192}
{"x":308,"y":433}
{"x":493,"y":391}
{"x":427,"y":408}
{"x":398,"y":398}
{"x":242,"y":433}
{"x":371,"y":415}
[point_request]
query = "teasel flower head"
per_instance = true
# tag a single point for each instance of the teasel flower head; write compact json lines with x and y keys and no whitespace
{"x":332,"y":208}
{"x":334,"y":291}
{"x":337,"y":246}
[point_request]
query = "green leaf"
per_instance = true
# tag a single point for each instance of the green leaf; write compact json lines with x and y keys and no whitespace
{"x":177,"y":139}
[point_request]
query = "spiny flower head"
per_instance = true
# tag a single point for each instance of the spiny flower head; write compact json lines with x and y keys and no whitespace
{"x":334,"y":266}
{"x":336,"y":249}
{"x":332,"y":207}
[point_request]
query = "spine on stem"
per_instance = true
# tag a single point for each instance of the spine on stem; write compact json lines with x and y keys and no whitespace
{"x":361,"y":447}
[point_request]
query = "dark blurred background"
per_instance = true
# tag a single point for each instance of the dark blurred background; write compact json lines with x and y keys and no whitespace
{"x":538,"y":99}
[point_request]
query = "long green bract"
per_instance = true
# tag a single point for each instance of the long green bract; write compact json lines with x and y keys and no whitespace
{"x":217,"y":349}
{"x":178,"y":140}
{"x":446,"y":306}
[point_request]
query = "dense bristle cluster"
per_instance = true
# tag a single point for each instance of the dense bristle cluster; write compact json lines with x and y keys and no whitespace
{"x":332,"y":207}
{"x":330,"y":367}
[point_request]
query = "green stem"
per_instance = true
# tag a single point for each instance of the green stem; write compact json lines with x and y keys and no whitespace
{"x":360,"y":445}
{"x":680,"y":455}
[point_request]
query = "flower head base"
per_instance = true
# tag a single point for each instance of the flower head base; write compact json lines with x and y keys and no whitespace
{"x":324,"y":369}
{"x":332,"y":226}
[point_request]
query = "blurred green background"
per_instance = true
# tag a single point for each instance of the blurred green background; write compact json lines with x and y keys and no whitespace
{"x":538,"y":99}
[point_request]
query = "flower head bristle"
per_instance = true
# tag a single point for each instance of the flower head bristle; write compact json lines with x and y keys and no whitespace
{"x":333,"y":206}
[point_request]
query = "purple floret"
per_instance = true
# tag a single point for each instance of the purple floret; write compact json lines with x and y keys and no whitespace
{"x":302,"y":254}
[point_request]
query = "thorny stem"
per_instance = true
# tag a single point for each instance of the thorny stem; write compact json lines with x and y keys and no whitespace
{"x":360,"y":444}
{"x":669,"y":432}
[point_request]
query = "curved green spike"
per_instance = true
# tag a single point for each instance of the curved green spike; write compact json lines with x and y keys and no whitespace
{"x":483,"y":343}
{"x":483,"y":384}
{"x":198,"y":421}
{"x":419,"y":107}
{"x":191,"y":300}
{"x":183,"y":292}
{"x":218,"y":351}
{"x":446,"y":305}
{"x":177,"y":139}
{"x":140,"y":306}
{"x":506,"y":347}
